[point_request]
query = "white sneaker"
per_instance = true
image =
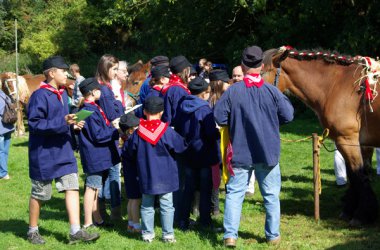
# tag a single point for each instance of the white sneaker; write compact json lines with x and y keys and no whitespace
{"x":148,"y":238}
{"x":6,"y":177}
{"x":169,"y":239}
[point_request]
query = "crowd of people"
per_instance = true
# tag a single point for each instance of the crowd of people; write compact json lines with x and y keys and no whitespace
{"x":191,"y":124}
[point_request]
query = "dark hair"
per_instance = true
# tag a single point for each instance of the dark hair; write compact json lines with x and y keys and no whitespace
{"x":184,"y":74}
{"x":106,"y":62}
{"x":216,"y":91}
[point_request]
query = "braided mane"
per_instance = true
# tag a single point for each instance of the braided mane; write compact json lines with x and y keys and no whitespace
{"x":327,"y":56}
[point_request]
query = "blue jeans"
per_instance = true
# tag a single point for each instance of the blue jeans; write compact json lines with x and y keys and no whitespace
{"x":269,"y":180}
{"x":197,"y":177}
{"x":112,"y":186}
{"x":5,"y":141}
{"x":166,"y":214}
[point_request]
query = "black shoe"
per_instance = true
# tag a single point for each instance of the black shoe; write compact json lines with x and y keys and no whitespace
{"x":35,"y":238}
{"x":84,"y":236}
{"x":104,"y":224}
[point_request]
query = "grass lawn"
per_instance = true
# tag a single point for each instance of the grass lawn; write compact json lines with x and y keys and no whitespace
{"x":298,"y":228}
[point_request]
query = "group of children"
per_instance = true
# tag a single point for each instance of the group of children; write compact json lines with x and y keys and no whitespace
{"x":168,"y":152}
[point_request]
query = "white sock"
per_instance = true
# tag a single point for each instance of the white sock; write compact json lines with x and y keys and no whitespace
{"x":137,"y":226}
{"x":74,"y":229}
{"x":32,"y":229}
{"x":130,"y":223}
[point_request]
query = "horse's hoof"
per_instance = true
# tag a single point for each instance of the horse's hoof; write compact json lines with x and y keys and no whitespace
{"x":355,"y":223}
{"x":345,"y":217}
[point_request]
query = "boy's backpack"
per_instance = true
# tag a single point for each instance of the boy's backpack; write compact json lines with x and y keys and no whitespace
{"x":10,"y":113}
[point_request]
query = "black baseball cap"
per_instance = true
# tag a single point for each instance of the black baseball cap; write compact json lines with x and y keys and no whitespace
{"x":54,"y":62}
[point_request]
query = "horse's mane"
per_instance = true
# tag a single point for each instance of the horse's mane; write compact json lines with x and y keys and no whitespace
{"x":331,"y":57}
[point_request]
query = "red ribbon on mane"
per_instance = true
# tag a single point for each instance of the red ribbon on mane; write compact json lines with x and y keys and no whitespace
{"x":151,"y":131}
{"x":59,"y":92}
{"x":101,"y":111}
{"x":175,"y":80}
{"x":251,"y":80}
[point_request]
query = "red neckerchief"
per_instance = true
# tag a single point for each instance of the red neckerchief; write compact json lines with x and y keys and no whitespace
{"x":44,"y":85}
{"x":158,"y":88}
{"x":174,"y":80}
{"x":107,"y":84}
{"x":251,"y":80}
{"x":151,"y":131}
{"x":101,"y":111}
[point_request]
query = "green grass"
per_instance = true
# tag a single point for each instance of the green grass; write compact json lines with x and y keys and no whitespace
{"x":298,"y":228}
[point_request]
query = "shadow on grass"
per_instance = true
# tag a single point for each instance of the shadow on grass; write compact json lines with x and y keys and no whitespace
{"x":20,"y":228}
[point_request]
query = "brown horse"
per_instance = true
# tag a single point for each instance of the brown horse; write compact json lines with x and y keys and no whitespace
{"x":138,"y":72}
{"x":333,"y":86}
{"x":9,"y":82}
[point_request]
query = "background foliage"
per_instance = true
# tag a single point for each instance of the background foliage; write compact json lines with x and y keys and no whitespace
{"x":82,"y":30}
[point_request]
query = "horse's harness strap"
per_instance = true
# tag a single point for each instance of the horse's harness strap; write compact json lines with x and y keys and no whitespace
{"x":12,"y":80}
{"x":134,"y":96}
{"x":277,"y":77}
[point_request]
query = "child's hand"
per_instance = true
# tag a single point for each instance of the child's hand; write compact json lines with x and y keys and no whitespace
{"x":115,"y":123}
{"x":70,"y":119}
{"x":79,"y":125}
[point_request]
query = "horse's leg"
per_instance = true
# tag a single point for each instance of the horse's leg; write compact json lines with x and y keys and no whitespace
{"x":367,"y":153}
{"x":20,"y":121}
{"x":360,"y":204}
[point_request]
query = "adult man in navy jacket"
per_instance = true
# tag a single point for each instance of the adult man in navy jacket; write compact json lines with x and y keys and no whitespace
{"x":253,"y":110}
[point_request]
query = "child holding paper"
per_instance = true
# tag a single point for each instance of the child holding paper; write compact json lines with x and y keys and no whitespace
{"x":97,"y":150}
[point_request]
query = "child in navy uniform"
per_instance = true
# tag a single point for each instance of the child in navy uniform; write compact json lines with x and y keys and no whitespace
{"x":195,"y":122}
{"x":128,"y":124}
{"x":51,"y":155}
{"x":152,"y":148}
{"x":97,"y":150}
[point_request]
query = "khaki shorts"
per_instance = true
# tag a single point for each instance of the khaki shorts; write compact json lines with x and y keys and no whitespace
{"x":41,"y":190}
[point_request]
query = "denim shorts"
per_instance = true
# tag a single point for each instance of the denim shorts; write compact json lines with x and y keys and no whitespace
{"x":41,"y":190}
{"x":94,"y":180}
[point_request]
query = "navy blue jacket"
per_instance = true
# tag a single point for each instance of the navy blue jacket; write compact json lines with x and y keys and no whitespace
{"x":50,"y":150}
{"x":156,"y":165}
{"x":195,"y":122}
{"x":112,"y":108}
{"x":97,"y":147}
{"x":172,"y":98}
{"x":254,"y":116}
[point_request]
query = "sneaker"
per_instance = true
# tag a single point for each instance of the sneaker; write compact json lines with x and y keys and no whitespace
{"x":275,"y":241}
{"x":35,"y":238}
{"x":230,"y":242}
{"x":169,"y":239}
{"x":83,"y":235}
{"x":5,"y":177}
{"x":148,"y":238}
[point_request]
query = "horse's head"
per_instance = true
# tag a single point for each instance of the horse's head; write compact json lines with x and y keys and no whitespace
{"x":8,"y":80}
{"x":272,"y":67}
{"x":9,"y":86}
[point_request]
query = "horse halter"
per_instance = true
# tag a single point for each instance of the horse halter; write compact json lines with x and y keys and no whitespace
{"x":13,"y":81}
{"x":277,"y":76}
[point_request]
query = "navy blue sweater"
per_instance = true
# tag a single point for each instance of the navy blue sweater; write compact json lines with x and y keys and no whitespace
{"x":195,"y":122}
{"x":254,"y":116}
{"x":97,"y":147}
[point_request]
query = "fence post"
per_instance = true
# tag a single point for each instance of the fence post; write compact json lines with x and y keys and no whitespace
{"x":316,"y":151}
